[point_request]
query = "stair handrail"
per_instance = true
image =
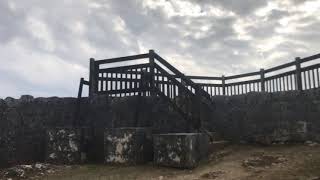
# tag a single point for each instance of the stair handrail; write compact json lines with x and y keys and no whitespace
{"x":179,"y":74}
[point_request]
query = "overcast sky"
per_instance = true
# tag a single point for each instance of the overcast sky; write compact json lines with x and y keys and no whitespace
{"x":45,"y":45}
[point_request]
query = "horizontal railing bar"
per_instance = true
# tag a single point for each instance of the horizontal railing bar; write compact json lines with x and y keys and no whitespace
{"x":123,"y":68}
{"x":198,"y":77}
{"x":125,"y":80}
{"x":210,"y":84}
{"x":204,"y":77}
{"x":122,"y":59}
{"x":124,"y":72}
{"x":118,"y":91}
{"x":135,"y":72}
{"x":86,"y":82}
{"x":310,"y":58}
{"x":280,"y":67}
{"x":314,"y":66}
{"x":242,"y":75}
{"x":243,"y":82}
{"x":280,"y":75}
{"x":118,"y":79}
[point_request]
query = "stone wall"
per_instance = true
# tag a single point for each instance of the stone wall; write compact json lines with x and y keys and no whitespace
{"x":24,"y":122}
{"x":261,"y":117}
{"x":268,"y":118}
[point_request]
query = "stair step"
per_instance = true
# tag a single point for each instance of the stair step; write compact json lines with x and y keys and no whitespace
{"x":215,"y":146}
{"x":214,"y":136}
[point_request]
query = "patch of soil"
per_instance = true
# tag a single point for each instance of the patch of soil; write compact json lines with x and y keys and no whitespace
{"x":236,"y":162}
{"x":32,"y":171}
{"x":212,"y":175}
{"x":216,"y":156}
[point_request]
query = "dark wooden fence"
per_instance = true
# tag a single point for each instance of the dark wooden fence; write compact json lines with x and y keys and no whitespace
{"x":156,"y":77}
{"x":275,"y":79}
{"x":129,"y":80}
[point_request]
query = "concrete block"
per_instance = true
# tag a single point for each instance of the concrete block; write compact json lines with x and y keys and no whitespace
{"x":63,"y":146}
{"x":181,"y":150}
{"x":127,"y":145}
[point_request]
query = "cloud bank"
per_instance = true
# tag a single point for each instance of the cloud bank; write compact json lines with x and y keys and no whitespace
{"x":45,"y":46}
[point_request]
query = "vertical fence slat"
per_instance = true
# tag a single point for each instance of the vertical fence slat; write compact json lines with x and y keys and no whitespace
{"x":305,"y":80}
{"x":280,"y":83}
{"x":286,"y":83}
{"x":309,"y":79}
{"x":318,"y":77}
{"x":313,"y":78}
{"x":262,"y":74}
{"x":223,"y":82}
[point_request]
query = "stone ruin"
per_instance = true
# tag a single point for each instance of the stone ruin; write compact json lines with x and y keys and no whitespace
{"x":41,"y":129}
{"x":150,"y":118}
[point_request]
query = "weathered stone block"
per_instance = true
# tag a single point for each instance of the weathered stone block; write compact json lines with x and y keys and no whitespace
{"x":181,"y":150}
{"x":63,"y":146}
{"x":127,"y":145}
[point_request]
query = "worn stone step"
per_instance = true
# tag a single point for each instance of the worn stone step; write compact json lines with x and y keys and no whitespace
{"x":214,"y":136}
{"x":215,"y":146}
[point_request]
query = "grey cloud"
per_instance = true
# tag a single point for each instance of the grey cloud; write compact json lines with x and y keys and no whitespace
{"x":239,"y":7}
{"x":206,"y":45}
{"x":276,"y":14}
{"x":10,"y":24}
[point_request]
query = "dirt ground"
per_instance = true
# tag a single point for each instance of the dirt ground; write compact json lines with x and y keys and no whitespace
{"x":241,"y":162}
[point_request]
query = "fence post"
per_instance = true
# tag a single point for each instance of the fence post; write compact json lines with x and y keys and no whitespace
{"x":263,"y":89}
{"x":151,"y":61}
{"x":80,"y":88}
{"x":76,"y":121}
{"x":92,"y":77}
{"x":223,"y":85}
{"x":298,"y":74}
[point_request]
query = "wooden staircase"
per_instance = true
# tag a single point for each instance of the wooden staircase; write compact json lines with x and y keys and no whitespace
{"x":156,"y":77}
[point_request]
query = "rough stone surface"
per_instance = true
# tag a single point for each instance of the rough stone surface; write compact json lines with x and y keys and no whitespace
{"x":181,"y":150}
{"x":268,"y":118}
{"x":63,"y":146}
{"x":127,"y":145}
{"x":255,"y":117}
{"x":23,"y":123}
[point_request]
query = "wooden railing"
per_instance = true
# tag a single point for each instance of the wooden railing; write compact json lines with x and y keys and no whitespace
{"x":127,"y":80}
{"x":300,"y":77}
{"x":156,"y":77}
